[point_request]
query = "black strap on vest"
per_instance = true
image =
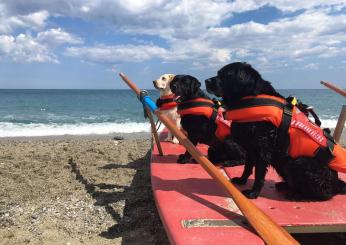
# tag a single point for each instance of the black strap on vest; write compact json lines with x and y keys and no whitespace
{"x":254,"y":102}
{"x":191,"y":104}
{"x":213,"y":116}
{"x":283,"y":139}
{"x":325,"y":154}
{"x":160,"y":102}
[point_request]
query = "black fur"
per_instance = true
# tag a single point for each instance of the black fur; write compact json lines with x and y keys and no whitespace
{"x":304,"y":178}
{"x":200,"y":129}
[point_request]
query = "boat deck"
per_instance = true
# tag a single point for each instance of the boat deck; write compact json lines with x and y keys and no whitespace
{"x":196,"y":210}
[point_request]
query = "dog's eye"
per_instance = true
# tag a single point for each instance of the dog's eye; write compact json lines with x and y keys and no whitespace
{"x":163,"y":78}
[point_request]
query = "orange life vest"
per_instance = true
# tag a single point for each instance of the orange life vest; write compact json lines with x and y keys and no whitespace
{"x":206,"y":107}
{"x":166,"y":102}
{"x":305,"y":137}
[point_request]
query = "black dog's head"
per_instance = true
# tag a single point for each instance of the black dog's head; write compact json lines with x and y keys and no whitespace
{"x":186,"y":86}
{"x":213,"y":86}
{"x":237,"y":80}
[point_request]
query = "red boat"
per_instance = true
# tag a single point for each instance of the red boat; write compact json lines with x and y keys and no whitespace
{"x":196,"y":210}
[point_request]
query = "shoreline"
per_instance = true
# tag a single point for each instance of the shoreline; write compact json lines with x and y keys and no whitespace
{"x":121,"y":136}
{"x":126,"y":136}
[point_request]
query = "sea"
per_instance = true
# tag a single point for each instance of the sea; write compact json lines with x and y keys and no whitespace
{"x":42,"y":112}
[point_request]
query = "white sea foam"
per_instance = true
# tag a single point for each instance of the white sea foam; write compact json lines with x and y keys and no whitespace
{"x":329,"y":123}
{"x":38,"y":129}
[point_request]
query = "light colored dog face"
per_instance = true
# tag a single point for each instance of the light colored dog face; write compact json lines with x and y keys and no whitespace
{"x":163,"y":82}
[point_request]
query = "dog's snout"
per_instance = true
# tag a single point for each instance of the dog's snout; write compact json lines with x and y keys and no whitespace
{"x":211,"y":80}
{"x":208,"y":81}
{"x":212,"y":85}
{"x":155,"y":85}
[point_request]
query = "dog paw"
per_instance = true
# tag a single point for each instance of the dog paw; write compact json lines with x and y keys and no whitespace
{"x":183,"y":159}
{"x":175,"y":140}
{"x":239,"y":180}
{"x":251,"y":194}
{"x":281,"y":186}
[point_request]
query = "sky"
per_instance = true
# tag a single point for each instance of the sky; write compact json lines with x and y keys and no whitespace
{"x":84,"y":44}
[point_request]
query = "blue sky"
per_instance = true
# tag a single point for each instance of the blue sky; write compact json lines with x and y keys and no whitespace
{"x":85,"y":43}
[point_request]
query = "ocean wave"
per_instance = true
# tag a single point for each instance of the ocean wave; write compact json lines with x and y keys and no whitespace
{"x":9,"y":129}
{"x":329,"y":123}
{"x":39,"y":129}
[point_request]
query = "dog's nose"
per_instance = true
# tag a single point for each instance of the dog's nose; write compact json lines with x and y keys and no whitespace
{"x":208,"y":83}
{"x":155,"y":85}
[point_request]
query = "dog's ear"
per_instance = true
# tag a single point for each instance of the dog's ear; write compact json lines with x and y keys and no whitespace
{"x":176,"y":78}
{"x":194,"y":84}
{"x":246,"y":74}
{"x":257,"y":83}
{"x":251,"y":81}
{"x":198,"y":84}
{"x":258,"y":87}
{"x":171,"y":76}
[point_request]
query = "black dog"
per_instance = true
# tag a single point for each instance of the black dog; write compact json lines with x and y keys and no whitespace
{"x":267,"y":144}
{"x":199,"y":127}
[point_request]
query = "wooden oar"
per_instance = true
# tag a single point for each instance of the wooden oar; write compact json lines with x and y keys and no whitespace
{"x":334,"y":88}
{"x":154,"y":131}
{"x":342,"y":117}
{"x":270,"y":232}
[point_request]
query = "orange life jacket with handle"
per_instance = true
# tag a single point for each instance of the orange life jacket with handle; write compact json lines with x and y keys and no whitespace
{"x":297,"y":135}
{"x":206,"y":107}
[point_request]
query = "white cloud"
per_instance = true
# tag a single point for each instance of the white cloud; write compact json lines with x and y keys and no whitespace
{"x":192,"y":30}
{"x":34,"y":21}
{"x":284,"y":5}
{"x":311,"y":66}
{"x":6,"y":44}
{"x":155,"y":17}
{"x":25,"y":48}
{"x":311,"y":34}
{"x":55,"y":37}
{"x":117,"y":53}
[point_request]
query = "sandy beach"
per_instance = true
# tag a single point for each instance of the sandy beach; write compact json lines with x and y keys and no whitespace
{"x":84,"y":190}
{"x":77,"y":190}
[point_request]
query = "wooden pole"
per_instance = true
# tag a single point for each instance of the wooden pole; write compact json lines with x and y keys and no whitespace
{"x":342,"y":118}
{"x":270,"y":232}
{"x":334,"y":88}
{"x":340,"y":125}
{"x":152,"y":123}
{"x":154,"y":131}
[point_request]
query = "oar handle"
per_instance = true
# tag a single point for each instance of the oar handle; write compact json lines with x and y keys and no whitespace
{"x":130,"y":83}
{"x":334,"y":88}
{"x":270,"y":232}
{"x":150,"y":104}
